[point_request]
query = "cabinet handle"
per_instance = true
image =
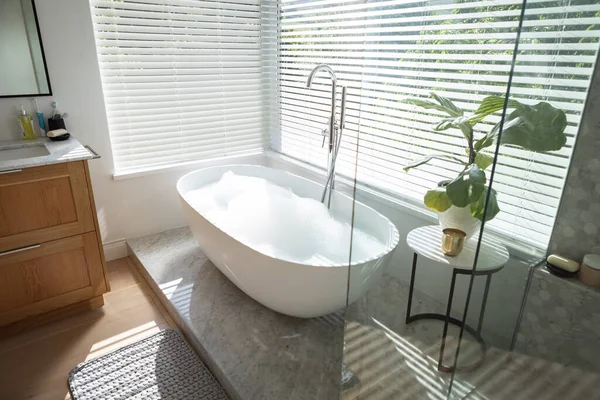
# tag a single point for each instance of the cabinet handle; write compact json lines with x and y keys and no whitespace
{"x":35,"y":246}
{"x":10,"y":171}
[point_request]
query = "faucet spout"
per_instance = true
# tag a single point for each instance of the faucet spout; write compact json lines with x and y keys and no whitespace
{"x":320,"y":67}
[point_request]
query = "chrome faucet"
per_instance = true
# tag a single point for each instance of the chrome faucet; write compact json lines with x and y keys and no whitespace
{"x":332,"y":123}
{"x":335,"y":131}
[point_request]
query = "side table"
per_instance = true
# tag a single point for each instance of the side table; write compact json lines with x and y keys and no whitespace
{"x":426,"y":242}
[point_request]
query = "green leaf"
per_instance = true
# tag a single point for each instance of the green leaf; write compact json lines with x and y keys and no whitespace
{"x":448,"y":105}
{"x":479,"y":207}
{"x":467,"y":187}
{"x":444,"y":124}
{"x":437,"y":200}
{"x":461,"y":123}
{"x":538,"y":128}
{"x":490,"y":105}
{"x":483,"y":160}
{"x":430,"y":157}
{"x":445,"y":105}
{"x":426,"y":104}
{"x":476,"y":175}
{"x":486,"y":141}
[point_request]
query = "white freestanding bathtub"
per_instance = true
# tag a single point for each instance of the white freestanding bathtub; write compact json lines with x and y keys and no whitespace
{"x":290,"y":288}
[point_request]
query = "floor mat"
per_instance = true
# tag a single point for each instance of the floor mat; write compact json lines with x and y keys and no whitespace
{"x":162,"y":366}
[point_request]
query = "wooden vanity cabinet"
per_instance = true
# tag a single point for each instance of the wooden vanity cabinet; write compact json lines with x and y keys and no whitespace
{"x":50,"y":248}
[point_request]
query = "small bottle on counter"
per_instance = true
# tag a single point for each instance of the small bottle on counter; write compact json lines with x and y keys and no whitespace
{"x":25,"y":125}
{"x":589,"y":274}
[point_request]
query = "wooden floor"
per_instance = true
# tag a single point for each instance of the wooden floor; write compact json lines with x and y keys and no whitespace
{"x":34,"y":364}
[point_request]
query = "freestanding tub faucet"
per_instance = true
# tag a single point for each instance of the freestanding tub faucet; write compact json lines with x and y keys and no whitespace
{"x":335,"y":131}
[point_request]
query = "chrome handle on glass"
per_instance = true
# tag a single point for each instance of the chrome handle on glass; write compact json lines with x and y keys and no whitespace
{"x":343,"y":109}
{"x":35,"y":246}
{"x":10,"y":171}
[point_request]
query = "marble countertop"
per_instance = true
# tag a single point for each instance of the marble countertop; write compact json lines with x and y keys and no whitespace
{"x":59,"y":152}
{"x":255,"y":352}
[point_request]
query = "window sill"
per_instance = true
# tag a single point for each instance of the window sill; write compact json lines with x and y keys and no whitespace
{"x":183,"y":166}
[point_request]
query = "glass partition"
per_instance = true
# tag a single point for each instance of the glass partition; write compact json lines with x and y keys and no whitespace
{"x":469,"y":109}
{"x":429,"y":68}
{"x":531,"y":323}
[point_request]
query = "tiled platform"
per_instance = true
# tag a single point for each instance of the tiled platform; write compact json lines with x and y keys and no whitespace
{"x":256,"y":353}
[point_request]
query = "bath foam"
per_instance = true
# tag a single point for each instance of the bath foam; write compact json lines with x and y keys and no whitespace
{"x":277,"y":222}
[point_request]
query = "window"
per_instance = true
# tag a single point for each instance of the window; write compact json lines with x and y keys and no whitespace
{"x":388,"y":51}
{"x":184,"y":80}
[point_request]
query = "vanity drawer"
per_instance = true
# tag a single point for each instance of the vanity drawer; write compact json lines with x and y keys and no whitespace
{"x":43,"y":203}
{"x":40,"y":278}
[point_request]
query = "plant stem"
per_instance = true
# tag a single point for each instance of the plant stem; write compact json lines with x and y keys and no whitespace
{"x":472,"y":153}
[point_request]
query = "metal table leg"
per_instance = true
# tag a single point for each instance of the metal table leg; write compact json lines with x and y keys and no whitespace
{"x":484,"y":302}
{"x":411,"y":288}
{"x":449,"y":319}
{"x":441,"y":366}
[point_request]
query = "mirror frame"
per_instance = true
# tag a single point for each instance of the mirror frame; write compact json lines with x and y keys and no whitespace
{"x":39,"y":33}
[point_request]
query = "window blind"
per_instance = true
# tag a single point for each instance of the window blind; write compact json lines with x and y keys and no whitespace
{"x":185,"y":80}
{"x":390,"y":50}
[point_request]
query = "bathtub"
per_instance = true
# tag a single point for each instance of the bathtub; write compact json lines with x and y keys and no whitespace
{"x":290,"y":288}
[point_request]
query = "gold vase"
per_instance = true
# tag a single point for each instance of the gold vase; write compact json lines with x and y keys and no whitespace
{"x":453,"y":241}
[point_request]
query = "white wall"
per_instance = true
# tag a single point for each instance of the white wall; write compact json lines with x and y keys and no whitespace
{"x":17,"y":74}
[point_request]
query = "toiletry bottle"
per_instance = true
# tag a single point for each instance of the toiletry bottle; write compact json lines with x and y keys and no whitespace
{"x":26,"y":125}
{"x":40,"y":117}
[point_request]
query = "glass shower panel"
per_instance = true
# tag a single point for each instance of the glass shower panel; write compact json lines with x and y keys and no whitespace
{"x":322,"y":37}
{"x":536,"y":323}
{"x":428,"y":66}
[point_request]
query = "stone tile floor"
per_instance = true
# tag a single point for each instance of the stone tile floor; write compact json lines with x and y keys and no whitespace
{"x":387,"y":359}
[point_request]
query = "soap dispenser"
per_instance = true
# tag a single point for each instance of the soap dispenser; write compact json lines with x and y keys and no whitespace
{"x":26,"y":125}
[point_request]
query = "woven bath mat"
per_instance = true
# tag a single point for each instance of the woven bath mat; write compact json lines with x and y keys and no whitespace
{"x":162,"y":366}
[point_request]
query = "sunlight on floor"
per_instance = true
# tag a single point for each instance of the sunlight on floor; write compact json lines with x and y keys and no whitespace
{"x":423,"y":366}
{"x":169,"y":288}
{"x":179,"y":294}
{"x":123,"y":339}
{"x":388,"y":365}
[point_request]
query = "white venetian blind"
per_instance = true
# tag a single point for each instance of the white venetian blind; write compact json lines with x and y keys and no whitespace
{"x":185,"y":80}
{"x":390,"y":50}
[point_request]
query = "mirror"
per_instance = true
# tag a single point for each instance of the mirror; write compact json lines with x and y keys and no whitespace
{"x":23,"y":69}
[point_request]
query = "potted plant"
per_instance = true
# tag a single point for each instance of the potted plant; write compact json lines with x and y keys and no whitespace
{"x":460,"y":202}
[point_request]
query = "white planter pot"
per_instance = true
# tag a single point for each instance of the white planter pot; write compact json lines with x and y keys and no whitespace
{"x":459,"y":218}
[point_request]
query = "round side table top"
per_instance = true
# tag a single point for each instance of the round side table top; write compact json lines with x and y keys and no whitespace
{"x":427,"y":242}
